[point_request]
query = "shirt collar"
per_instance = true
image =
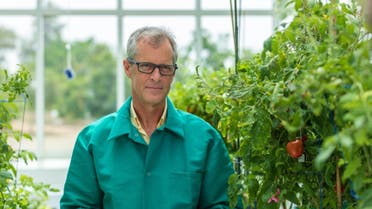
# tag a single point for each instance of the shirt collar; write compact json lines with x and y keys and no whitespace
{"x":122,"y":125}
{"x":136,"y":122}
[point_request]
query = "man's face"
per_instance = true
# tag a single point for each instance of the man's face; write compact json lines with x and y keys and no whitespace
{"x":150,"y":89}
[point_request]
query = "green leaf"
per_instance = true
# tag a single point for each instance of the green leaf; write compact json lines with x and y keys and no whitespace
{"x":261,"y":129}
{"x":344,"y":140}
{"x":323,"y":156}
{"x":233,"y":190}
{"x":5,"y":175}
{"x":291,"y":196}
{"x":253,"y":187}
{"x":352,"y":168}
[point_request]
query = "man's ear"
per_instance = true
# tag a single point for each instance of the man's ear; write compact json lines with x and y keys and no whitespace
{"x":126,"y":66}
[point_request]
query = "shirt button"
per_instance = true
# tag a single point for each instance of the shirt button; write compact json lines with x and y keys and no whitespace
{"x":148,"y":174}
{"x":135,"y":135}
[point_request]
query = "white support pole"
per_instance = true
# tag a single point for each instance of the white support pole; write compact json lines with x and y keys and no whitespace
{"x":39,"y":82}
{"x":198,"y":31}
{"x":120,"y":82}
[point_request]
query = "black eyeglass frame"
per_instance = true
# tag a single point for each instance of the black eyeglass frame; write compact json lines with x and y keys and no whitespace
{"x":161,"y":66}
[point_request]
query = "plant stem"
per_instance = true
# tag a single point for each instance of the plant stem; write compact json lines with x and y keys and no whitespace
{"x":283,"y":205}
{"x":338,"y":186}
{"x":365,"y":150}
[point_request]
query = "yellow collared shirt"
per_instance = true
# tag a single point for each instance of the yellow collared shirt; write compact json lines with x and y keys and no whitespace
{"x":135,"y":121}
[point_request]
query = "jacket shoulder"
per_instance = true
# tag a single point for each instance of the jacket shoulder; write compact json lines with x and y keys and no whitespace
{"x":196,"y":124}
{"x":98,"y":128}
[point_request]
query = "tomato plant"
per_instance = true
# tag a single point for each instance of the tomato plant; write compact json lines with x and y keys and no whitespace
{"x":16,"y":191}
{"x":313,"y":78}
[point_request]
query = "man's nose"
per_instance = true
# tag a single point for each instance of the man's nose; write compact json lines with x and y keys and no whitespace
{"x":155,"y":75}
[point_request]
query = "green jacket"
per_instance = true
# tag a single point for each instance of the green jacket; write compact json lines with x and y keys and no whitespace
{"x":185,"y":166}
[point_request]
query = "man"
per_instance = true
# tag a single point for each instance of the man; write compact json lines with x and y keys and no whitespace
{"x":148,"y":155}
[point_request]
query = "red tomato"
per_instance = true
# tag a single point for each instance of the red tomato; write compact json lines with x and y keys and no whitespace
{"x":295,"y":148}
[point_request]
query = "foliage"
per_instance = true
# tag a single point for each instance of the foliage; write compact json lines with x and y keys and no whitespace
{"x":16,"y":191}
{"x":7,"y":38}
{"x":313,"y":79}
{"x":91,"y":92}
{"x":190,"y":96}
{"x":213,"y":53}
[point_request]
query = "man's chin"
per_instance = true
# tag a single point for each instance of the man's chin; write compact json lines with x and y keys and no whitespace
{"x":155,"y":99}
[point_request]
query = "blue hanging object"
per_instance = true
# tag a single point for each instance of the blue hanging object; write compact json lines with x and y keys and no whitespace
{"x":69,"y":73}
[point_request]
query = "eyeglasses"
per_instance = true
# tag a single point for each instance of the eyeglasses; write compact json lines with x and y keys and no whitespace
{"x":148,"y":67}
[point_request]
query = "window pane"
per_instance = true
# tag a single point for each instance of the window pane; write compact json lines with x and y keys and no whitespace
{"x":254,"y":31}
{"x":101,"y":28}
{"x":213,"y":4}
{"x":262,"y":4}
{"x":218,"y":26}
{"x":15,"y":35}
{"x":80,"y":89}
{"x":181,"y":26}
{"x":217,"y":31}
{"x":18,"y":4}
{"x":159,"y":4}
{"x":82,"y":4}
{"x":16,"y":48}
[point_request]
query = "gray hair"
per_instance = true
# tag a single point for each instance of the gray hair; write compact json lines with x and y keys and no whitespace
{"x":156,"y":35}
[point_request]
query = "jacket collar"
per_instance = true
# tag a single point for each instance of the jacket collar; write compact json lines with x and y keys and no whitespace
{"x":122,"y":124}
{"x":174,"y":121}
